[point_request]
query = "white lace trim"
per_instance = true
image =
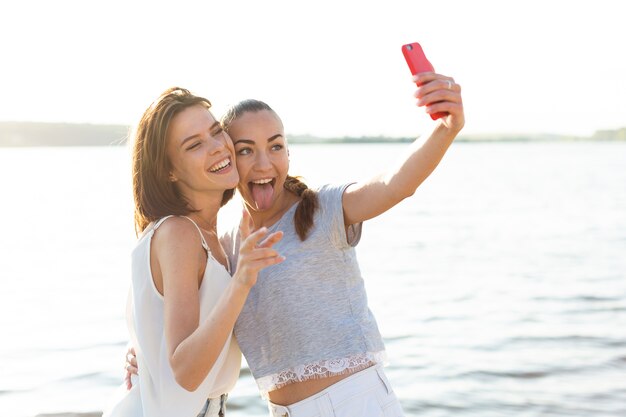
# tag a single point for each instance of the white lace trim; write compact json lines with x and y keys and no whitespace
{"x":320,"y":369}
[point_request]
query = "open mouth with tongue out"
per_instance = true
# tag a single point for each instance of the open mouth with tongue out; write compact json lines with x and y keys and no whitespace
{"x":262,"y":192}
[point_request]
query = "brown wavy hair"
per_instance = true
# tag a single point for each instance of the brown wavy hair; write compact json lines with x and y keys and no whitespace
{"x":154,"y":194}
{"x":309,"y":203}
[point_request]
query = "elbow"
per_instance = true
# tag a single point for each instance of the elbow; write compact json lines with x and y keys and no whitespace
{"x":403,"y":194}
{"x":408,"y":193}
{"x":190,"y":387}
{"x":186,"y":376}
{"x":190,"y":374}
{"x":186,"y":382}
{"x":402,"y":190}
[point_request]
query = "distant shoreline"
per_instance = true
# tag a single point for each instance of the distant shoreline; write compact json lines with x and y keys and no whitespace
{"x":92,"y":414}
{"x":26,"y":134}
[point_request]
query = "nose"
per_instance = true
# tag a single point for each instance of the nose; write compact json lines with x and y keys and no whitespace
{"x":216,"y":145}
{"x":262,"y":161}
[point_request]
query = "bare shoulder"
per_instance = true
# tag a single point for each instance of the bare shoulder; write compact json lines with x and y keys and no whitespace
{"x":177,"y":234}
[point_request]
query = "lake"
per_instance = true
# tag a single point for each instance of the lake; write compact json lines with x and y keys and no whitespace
{"x":499,"y":287}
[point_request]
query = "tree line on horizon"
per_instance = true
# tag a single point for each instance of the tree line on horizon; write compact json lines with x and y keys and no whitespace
{"x":24,"y":134}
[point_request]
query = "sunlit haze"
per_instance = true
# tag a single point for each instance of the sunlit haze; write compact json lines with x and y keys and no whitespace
{"x":330,"y":68}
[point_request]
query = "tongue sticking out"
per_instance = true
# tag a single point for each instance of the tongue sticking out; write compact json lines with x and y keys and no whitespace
{"x":262,"y":194}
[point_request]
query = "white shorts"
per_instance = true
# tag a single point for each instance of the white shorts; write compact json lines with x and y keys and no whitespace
{"x":363,"y":394}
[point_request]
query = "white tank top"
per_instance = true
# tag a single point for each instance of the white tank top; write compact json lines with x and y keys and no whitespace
{"x":155,"y":392}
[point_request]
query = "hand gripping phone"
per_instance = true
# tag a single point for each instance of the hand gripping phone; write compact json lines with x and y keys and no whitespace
{"x":417,"y":62}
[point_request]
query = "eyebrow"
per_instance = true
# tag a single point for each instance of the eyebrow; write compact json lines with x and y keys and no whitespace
{"x":251,"y":142}
{"x":212,"y":129}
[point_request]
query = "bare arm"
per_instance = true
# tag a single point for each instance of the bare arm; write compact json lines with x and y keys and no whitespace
{"x":193,"y":342}
{"x":367,"y":199}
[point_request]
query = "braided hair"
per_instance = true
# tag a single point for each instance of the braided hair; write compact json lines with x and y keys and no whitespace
{"x":303,"y":217}
{"x":309,"y":203}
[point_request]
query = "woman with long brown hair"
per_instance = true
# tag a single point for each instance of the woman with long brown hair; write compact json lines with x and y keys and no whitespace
{"x":184,"y":302}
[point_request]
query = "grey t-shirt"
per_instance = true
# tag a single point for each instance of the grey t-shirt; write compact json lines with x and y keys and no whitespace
{"x":312,"y":307}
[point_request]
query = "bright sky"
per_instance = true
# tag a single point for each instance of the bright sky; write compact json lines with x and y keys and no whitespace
{"x":330,"y":68}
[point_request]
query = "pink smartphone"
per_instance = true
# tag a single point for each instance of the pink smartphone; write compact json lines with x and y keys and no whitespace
{"x":417,"y":62}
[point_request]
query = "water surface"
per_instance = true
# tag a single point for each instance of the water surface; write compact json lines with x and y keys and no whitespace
{"x":499,"y":287}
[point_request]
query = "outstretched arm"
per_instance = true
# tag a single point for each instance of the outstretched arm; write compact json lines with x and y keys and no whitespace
{"x":367,"y":199}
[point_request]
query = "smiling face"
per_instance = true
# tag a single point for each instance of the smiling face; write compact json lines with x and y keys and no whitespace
{"x":200,"y":154}
{"x":262,"y":158}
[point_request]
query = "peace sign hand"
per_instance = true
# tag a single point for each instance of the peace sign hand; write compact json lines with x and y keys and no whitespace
{"x":255,"y":252}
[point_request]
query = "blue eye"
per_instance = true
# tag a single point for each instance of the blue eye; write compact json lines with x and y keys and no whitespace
{"x":244,"y":151}
{"x":277,"y":147}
